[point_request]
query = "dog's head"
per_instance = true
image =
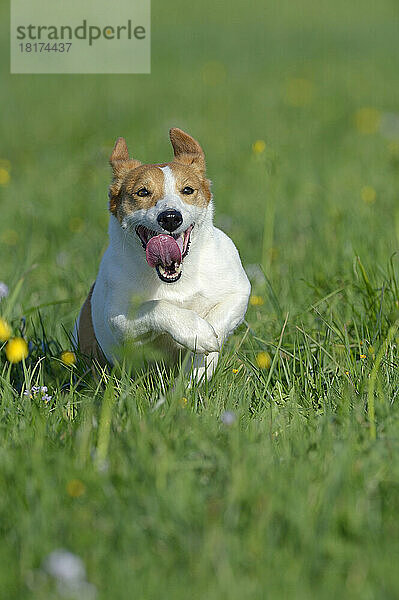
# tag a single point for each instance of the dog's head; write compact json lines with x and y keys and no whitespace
{"x":161,"y":204}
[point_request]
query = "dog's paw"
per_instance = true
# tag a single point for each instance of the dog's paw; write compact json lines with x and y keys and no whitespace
{"x":197,"y":335}
{"x":201,"y":368}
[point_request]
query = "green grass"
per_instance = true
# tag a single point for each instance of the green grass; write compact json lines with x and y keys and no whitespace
{"x":299,"y":496}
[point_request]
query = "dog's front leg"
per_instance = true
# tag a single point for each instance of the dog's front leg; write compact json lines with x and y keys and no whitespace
{"x":228,"y":314}
{"x":202,"y":367}
{"x":159,"y":316}
{"x":224,"y":318}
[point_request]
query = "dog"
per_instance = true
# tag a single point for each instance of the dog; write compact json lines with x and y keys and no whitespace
{"x":166,"y":257}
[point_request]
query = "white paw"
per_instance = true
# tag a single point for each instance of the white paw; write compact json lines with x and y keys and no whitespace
{"x":202,"y":367}
{"x":197,"y":335}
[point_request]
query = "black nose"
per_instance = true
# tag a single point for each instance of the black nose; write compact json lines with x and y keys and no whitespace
{"x":170,"y":219}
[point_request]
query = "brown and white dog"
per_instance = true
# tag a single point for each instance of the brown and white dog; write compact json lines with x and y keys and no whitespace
{"x":166,"y":256}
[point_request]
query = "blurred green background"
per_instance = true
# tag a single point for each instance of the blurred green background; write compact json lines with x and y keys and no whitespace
{"x":296,"y":105}
{"x":317,"y":82}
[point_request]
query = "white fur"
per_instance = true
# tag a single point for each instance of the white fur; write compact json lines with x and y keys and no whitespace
{"x":199,"y":311}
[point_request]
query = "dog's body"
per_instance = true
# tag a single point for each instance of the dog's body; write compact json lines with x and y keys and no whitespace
{"x":167,"y":209}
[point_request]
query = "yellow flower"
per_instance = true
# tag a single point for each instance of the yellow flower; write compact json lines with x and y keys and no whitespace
{"x":5,"y":330}
{"x":299,"y":92}
{"x":235,"y":371}
{"x":68,"y":357}
{"x":367,"y":120}
{"x":16,"y":350}
{"x":362,"y":356}
{"x":259,"y":146}
{"x":272,"y":254}
{"x":256,"y":301}
{"x":76,"y":224}
{"x":4,"y":176}
{"x":368,"y":194}
{"x":263,"y":360}
{"x":75,"y":488}
{"x":184,"y":401}
{"x":10,"y":237}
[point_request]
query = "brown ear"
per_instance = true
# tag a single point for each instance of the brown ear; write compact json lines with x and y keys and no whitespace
{"x":119,"y":159}
{"x":121,"y":165}
{"x":120,"y":151}
{"x":187,"y":150}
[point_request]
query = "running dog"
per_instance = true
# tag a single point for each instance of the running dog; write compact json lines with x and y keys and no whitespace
{"x":166,"y":258}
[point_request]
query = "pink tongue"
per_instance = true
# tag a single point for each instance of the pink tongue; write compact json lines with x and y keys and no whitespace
{"x":162,"y":250}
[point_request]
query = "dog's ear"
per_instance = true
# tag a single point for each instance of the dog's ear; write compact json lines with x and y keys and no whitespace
{"x":121,"y":165}
{"x":120,"y":151}
{"x":187,"y":150}
{"x":120,"y":161}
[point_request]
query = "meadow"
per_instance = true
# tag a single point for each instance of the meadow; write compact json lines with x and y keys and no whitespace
{"x":279,"y":478}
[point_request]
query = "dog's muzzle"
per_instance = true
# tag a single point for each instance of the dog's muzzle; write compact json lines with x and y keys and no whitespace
{"x":166,"y":252}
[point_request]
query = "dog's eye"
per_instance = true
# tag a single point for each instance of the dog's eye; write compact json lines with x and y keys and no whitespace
{"x":142,"y":192}
{"x":187,"y":190}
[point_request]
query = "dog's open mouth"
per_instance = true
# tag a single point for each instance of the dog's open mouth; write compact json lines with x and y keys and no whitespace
{"x":165,"y":252}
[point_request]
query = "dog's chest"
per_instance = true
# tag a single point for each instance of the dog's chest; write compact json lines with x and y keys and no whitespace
{"x":199,"y":303}
{"x":195,"y":298}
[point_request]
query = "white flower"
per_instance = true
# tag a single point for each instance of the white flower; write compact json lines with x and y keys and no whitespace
{"x":69,"y":573}
{"x":65,"y":566}
{"x":228,"y":417}
{"x":3,"y":290}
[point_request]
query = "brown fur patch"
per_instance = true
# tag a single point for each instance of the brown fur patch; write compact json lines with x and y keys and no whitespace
{"x":121,"y":165}
{"x":120,"y":151}
{"x":187,"y":150}
{"x":189,"y":176}
{"x":88,"y":344}
{"x":148,"y":176}
{"x":189,"y":165}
